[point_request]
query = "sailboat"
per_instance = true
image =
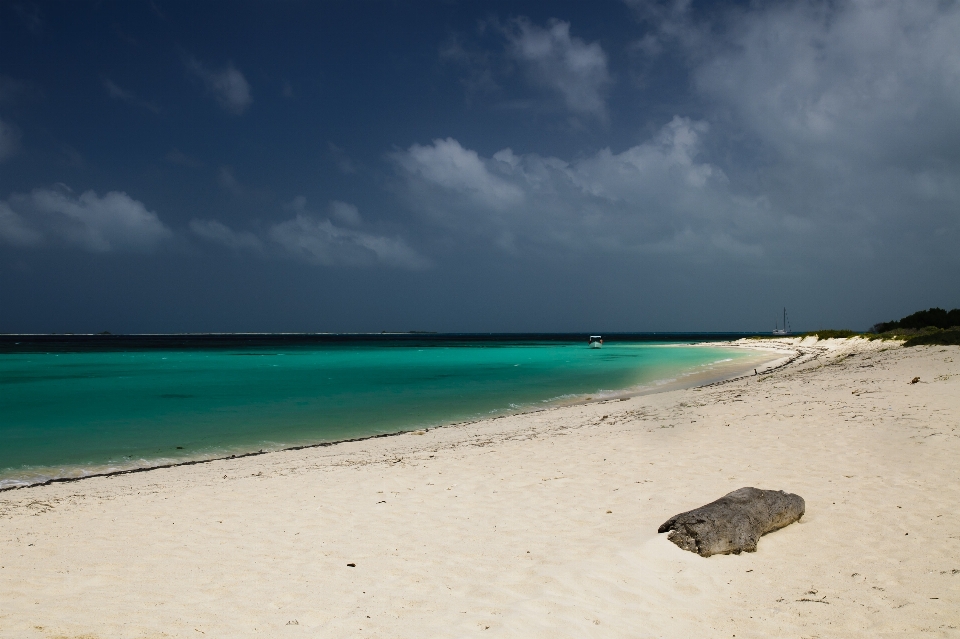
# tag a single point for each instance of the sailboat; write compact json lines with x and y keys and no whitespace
{"x":786,"y":325}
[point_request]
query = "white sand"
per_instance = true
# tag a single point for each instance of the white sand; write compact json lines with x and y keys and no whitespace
{"x":501,"y":528}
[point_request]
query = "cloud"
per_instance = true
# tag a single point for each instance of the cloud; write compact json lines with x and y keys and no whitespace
{"x":452,"y":168}
{"x":671,"y":21}
{"x":117,"y":93}
{"x":9,"y":140}
{"x":214,"y":231}
{"x":14,"y":230}
{"x":345,"y":212}
{"x":837,"y":119}
{"x":228,"y":85}
{"x":314,"y":240}
{"x":849,"y":112}
{"x":868,"y":81}
{"x":321,"y":242}
{"x":567,"y":65}
{"x":658,"y":196}
{"x":115,"y":222}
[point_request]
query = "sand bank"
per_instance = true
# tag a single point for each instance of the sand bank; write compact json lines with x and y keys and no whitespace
{"x":532,"y":525}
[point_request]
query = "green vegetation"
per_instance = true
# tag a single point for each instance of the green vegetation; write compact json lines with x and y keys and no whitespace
{"x":944,"y":338}
{"x":932,"y":326}
{"x":922,"y":320}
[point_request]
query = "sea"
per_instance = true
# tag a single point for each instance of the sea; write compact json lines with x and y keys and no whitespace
{"x":73,"y":406}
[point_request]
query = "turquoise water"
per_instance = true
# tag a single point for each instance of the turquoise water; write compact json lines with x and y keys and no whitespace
{"x":72,"y":413}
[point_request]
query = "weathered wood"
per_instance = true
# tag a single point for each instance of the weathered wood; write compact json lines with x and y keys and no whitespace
{"x":735,"y":522}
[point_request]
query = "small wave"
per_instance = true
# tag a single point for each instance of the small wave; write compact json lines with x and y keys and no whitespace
{"x":31,"y":476}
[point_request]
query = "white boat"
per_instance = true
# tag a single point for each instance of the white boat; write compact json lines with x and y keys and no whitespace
{"x":786,"y":325}
{"x":596,"y":341}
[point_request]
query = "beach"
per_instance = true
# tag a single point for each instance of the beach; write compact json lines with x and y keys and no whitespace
{"x":542,"y":524}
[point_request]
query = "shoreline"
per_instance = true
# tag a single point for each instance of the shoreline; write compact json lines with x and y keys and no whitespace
{"x":536,"y":524}
{"x":689,"y":381}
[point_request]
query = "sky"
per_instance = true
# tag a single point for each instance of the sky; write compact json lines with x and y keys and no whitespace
{"x":476,"y":166}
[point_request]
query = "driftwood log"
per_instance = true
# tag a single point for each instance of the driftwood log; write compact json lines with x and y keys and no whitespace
{"x":734,"y":522}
